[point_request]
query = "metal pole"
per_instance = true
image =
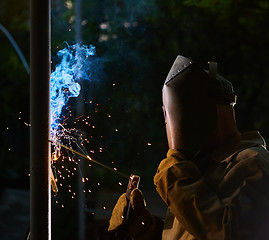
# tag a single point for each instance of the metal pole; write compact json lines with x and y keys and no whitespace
{"x":40,"y":197}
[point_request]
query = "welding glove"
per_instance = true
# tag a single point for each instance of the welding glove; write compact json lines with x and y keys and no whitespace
{"x":140,"y":224}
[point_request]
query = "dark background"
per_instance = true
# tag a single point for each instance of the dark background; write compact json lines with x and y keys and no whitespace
{"x":136,"y":43}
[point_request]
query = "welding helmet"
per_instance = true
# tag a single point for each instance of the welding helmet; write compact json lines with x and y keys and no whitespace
{"x":190,"y":95}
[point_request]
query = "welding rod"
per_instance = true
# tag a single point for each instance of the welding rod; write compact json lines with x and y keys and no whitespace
{"x":89,"y":158}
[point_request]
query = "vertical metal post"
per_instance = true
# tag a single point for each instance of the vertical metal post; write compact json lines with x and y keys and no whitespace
{"x":40,"y":45}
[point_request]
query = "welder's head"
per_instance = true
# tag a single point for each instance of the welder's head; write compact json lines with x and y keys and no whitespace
{"x":190,"y":98}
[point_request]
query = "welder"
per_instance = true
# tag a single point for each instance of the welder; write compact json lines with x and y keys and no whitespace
{"x":215,"y":180}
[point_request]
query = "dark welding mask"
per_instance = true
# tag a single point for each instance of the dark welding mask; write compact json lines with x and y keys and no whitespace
{"x":190,"y":95}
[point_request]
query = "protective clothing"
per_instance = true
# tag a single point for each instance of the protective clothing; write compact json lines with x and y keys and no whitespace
{"x":190,"y":95}
{"x":140,"y":224}
{"x":228,"y":201}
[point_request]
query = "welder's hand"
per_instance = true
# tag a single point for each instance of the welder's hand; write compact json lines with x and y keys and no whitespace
{"x":139,"y":218}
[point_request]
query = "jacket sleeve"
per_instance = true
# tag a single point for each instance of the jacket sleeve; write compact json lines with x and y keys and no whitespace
{"x":206,"y":212}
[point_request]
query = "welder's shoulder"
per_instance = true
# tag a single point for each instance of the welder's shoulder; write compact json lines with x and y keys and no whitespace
{"x":255,"y":156}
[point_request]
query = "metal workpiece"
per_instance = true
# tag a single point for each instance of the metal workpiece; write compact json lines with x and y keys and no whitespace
{"x":40,"y":44}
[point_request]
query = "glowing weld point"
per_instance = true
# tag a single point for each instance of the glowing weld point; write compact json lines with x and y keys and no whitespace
{"x":62,"y":206}
{"x":90,"y":191}
{"x":89,"y":157}
{"x":120,"y":183}
{"x":149,"y":144}
{"x":122,"y":216}
{"x":143,"y":223}
{"x":104,"y":208}
{"x":83,"y":180}
{"x":115,"y":169}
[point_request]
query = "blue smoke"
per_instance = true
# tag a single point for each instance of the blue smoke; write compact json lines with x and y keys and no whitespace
{"x":75,"y":64}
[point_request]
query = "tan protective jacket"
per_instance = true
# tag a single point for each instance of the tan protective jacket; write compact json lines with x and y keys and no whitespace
{"x":227,"y":198}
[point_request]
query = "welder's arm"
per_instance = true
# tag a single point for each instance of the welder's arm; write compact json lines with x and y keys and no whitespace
{"x":140,"y":225}
{"x":181,"y":185}
{"x":198,"y":207}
